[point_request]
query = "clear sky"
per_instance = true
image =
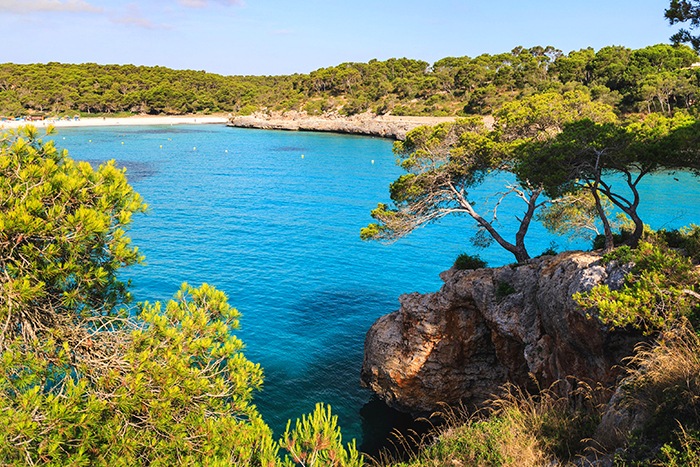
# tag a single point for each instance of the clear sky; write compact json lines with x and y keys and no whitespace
{"x":271,"y":37}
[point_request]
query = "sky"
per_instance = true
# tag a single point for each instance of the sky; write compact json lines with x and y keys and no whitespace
{"x":279,"y":37}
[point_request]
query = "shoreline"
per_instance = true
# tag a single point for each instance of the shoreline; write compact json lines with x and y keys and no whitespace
{"x":123,"y":121}
{"x":367,"y":124}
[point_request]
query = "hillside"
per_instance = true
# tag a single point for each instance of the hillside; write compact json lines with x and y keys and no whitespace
{"x":655,"y":78}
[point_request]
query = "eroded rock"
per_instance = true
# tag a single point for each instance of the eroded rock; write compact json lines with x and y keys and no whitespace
{"x":491,"y":326}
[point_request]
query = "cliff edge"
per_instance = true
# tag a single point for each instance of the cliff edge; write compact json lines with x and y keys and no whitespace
{"x":369,"y":124}
{"x":490,"y":326}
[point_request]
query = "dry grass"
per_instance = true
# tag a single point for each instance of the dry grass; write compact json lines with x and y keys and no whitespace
{"x":516,"y":430}
{"x":664,"y":383}
{"x":667,"y":374}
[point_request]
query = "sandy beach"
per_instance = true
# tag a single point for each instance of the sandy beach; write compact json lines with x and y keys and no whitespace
{"x":124,"y":121}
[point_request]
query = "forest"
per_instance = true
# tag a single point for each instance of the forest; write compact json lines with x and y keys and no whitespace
{"x":658,"y":78}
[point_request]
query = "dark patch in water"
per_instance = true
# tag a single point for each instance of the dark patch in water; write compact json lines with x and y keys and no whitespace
{"x":135,"y":170}
{"x":289,"y":149}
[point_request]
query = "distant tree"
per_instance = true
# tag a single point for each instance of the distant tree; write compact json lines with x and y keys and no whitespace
{"x":681,"y":11}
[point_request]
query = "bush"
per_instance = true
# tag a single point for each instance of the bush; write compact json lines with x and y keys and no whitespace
{"x":62,"y":238}
{"x":465,"y":261}
{"x":504,"y":289}
{"x":658,"y":290}
{"x":622,"y":254}
{"x":618,"y":239}
{"x":551,"y":250}
{"x":82,"y":381}
{"x":519,"y":429}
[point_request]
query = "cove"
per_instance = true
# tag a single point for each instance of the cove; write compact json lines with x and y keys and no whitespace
{"x":243,"y":211}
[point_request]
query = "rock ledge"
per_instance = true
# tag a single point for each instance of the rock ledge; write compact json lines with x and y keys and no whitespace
{"x":460,"y":344}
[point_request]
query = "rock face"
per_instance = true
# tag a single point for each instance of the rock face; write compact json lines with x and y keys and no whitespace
{"x":362,"y":124}
{"x":491,"y":326}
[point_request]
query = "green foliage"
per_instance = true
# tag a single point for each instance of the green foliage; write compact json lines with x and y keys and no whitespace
{"x":316,"y":441}
{"x":83,"y":381}
{"x":622,"y":255}
{"x":657,"y":291}
{"x":504,"y":289}
{"x":618,"y":239}
{"x":585,"y":153}
{"x":177,"y":392}
{"x":663,"y":382}
{"x":62,"y":237}
{"x":466,"y":261}
{"x":551,"y":249}
{"x":517,"y":429}
{"x":682,"y":11}
{"x":628,"y":79}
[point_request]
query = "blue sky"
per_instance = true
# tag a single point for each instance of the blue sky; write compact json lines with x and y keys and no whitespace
{"x":268,"y":37}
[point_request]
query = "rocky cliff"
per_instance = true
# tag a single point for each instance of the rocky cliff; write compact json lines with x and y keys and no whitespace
{"x":491,"y":326}
{"x":385,"y":126}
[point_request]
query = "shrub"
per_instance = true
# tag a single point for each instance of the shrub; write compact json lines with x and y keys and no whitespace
{"x":622,"y":254}
{"x":658,"y":289}
{"x":62,"y":238}
{"x":82,"y":381}
{"x":465,"y":261}
{"x":551,"y":250}
{"x":504,"y":289}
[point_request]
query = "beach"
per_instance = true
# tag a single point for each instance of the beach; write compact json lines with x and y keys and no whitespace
{"x":122,"y":121}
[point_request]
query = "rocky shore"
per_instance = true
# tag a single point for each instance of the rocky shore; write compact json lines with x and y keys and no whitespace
{"x":484,"y":328}
{"x":385,"y":126}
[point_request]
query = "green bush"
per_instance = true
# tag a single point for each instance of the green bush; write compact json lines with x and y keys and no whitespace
{"x":465,"y":261}
{"x":82,"y":381}
{"x":622,"y":254}
{"x":551,"y":250}
{"x":504,"y":289}
{"x":659,"y":288}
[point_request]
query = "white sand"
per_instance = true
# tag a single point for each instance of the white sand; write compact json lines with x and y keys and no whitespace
{"x":126,"y":121}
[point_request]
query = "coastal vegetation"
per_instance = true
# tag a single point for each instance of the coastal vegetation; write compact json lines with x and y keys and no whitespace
{"x":658,"y":78}
{"x":88,"y":379}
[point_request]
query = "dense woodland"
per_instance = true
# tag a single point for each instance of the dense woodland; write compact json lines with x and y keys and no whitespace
{"x":657,"y":78}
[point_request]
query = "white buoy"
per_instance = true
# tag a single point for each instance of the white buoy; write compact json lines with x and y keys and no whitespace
{"x":372,"y":161}
{"x":194,"y":149}
{"x":226,"y":150}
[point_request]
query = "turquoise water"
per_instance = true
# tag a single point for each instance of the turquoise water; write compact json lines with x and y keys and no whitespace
{"x":279,"y":233}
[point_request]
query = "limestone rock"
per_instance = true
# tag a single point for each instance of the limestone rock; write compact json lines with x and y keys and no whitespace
{"x":491,"y":326}
{"x":385,"y":126}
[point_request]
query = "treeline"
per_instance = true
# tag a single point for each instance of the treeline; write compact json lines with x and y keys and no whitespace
{"x":91,"y":88}
{"x":657,"y":78}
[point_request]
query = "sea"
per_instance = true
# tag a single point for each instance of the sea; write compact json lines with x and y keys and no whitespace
{"x":273,"y":219}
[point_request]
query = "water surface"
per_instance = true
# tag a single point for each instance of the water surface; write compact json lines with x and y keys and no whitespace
{"x":273,"y":219}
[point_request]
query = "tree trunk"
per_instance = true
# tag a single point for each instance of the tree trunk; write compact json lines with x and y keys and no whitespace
{"x":609,"y":239}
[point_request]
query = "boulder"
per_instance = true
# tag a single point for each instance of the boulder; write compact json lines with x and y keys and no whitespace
{"x":486,"y":327}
